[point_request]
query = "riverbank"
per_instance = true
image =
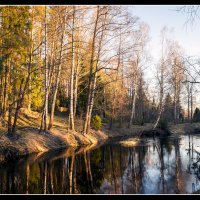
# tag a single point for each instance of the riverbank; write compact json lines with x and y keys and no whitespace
{"x":29,"y":140}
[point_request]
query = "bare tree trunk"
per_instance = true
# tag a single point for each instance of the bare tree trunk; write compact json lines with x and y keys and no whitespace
{"x":133,"y":105}
{"x":158,"y":118}
{"x":191,"y":104}
{"x":46,"y":77}
{"x":178,"y":107}
{"x":71,"y":115}
{"x":75,"y":90}
{"x":1,"y":97}
{"x":15,"y":118}
{"x":29,"y":96}
{"x":5,"y":96}
{"x":175,"y":108}
{"x":188,"y":101}
{"x":10,"y":119}
{"x":114,"y":95}
{"x":44,"y":121}
{"x":161,"y":98}
{"x":87,"y":117}
{"x":93,"y":90}
{"x":91,"y":102}
{"x":76,"y":81}
{"x":6,"y":90}
{"x":57,"y":79}
{"x":21,"y":95}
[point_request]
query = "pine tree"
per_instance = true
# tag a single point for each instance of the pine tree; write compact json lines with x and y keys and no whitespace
{"x":196,"y":116}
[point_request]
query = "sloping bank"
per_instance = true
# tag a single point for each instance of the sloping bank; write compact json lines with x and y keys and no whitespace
{"x":31,"y":141}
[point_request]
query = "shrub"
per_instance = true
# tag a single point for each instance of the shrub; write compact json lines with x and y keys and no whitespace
{"x":96,"y":122}
{"x":163,"y":125}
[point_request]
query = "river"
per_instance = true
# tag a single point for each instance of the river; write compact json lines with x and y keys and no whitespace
{"x":167,"y":165}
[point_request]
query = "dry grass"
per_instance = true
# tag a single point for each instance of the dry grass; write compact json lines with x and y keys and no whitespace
{"x":29,"y":139}
{"x":131,"y":142}
{"x":134,"y":130}
{"x":177,"y":129}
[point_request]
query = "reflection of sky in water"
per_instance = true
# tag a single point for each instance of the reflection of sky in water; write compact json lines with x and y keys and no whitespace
{"x":152,"y":180}
{"x":163,"y":165}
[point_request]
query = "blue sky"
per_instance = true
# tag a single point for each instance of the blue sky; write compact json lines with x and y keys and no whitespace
{"x":157,"y":17}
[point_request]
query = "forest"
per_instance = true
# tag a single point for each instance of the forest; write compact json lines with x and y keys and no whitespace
{"x":86,"y":108}
{"x":89,"y":64}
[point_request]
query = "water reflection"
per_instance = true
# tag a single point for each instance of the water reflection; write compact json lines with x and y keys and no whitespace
{"x":163,"y":165}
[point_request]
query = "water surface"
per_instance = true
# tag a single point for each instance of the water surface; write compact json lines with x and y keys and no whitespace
{"x":160,"y":165}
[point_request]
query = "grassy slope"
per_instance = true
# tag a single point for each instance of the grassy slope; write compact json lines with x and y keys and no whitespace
{"x":30,"y":140}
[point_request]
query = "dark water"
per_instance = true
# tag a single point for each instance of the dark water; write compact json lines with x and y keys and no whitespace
{"x":163,"y":165}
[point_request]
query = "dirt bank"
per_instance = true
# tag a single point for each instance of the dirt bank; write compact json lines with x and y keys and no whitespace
{"x":29,"y":140}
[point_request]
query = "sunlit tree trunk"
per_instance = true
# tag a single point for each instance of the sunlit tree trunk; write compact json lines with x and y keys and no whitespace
{"x":44,"y":121}
{"x":160,"y":77}
{"x":135,"y":83}
{"x":115,"y":83}
{"x":87,"y":115}
{"x":160,"y":108}
{"x":75,"y":89}
{"x":71,"y":115}
{"x":57,"y":76}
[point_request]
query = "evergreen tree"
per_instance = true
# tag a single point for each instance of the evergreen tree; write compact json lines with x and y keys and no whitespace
{"x":168,"y":112}
{"x":196,"y":116}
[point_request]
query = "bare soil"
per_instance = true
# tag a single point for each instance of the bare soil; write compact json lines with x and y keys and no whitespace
{"x":29,"y":140}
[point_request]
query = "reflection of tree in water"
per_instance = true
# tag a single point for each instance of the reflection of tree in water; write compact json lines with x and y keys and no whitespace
{"x":83,"y":173}
{"x":160,"y":150}
{"x":164,"y":148}
{"x":193,"y":166}
{"x":128,"y":170}
{"x":179,"y":186}
{"x":108,"y":169}
{"x":136,"y":169}
{"x":176,"y":180}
